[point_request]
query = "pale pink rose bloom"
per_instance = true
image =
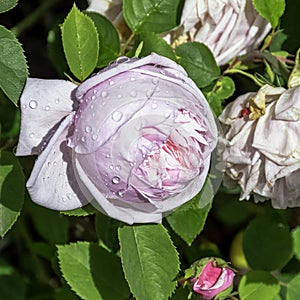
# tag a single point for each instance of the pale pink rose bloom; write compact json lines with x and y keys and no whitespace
{"x":135,"y":140}
{"x":229,"y":28}
{"x":260,"y":148}
{"x":212,"y":280}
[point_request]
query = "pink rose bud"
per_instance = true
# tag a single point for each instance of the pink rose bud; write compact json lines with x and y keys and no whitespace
{"x":135,"y":140}
{"x":260,"y":149}
{"x":211,"y":278}
{"x":228,"y":27}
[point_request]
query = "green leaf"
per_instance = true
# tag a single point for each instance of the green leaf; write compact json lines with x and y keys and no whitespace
{"x":12,"y":190}
{"x":223,"y":89}
{"x":92,"y":272}
{"x":150,"y":261}
{"x":189,"y":219}
{"x":296,"y":239}
{"x":154,"y":43}
{"x":80,"y":43}
{"x":6,"y":5}
{"x":271,"y":10}
{"x":293,"y":291}
{"x":151,"y":15}
{"x":199,"y":63}
{"x":13,"y":65}
{"x":57,"y":233}
{"x":109,"y":42}
{"x":258,"y":285}
{"x":268,"y":244}
{"x":81,"y":211}
{"x":107,"y":231}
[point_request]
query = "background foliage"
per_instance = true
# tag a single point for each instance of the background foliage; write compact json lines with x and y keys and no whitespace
{"x":83,"y":254}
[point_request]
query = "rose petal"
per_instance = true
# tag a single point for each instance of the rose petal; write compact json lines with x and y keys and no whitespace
{"x":44,"y":103}
{"x":52,"y":182}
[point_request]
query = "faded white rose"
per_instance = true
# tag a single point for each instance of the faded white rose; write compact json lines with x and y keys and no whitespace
{"x":228,"y":27}
{"x":260,"y":148}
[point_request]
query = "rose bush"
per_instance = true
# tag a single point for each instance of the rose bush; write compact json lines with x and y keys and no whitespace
{"x":260,"y":147}
{"x":210,"y":277}
{"x":135,"y":140}
{"x":229,"y":28}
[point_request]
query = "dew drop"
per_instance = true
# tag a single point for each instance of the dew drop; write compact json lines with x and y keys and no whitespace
{"x":119,"y":96}
{"x":24,"y":106}
{"x":154,"y":106}
{"x":47,"y":107}
{"x":33,"y":104}
{"x":107,"y":155}
{"x":88,"y":129}
{"x":155,"y":80}
{"x":111,"y":83}
{"x":83,"y":139}
{"x":94,"y":137}
{"x":95,"y":92}
{"x":149,"y":93}
{"x":93,"y":97}
{"x":69,"y":196}
{"x":57,"y":101}
{"x":118,"y":168}
{"x":121,"y":192}
{"x":49,"y":163}
{"x":132,"y":78}
{"x":63,"y":199}
{"x":55,"y":163}
{"x":133,"y":93}
{"x":111,"y":167}
{"x":116,"y":180}
{"x":31,"y":135}
{"x":117,"y":116}
{"x":104,"y":94}
{"x":92,"y":106}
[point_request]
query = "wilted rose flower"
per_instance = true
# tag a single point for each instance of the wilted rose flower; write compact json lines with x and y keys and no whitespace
{"x":210,"y":278}
{"x":260,"y":148}
{"x":137,"y":138}
{"x":228,"y":27}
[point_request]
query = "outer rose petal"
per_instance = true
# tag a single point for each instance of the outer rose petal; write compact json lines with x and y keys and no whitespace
{"x":52,"y":182}
{"x":44,"y":104}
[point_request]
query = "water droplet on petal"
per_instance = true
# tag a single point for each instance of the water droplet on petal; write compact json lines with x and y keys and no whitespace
{"x":33,"y":104}
{"x":55,"y":163}
{"x":117,"y":116}
{"x":49,"y":163}
{"x":95,"y":92}
{"x":83,"y":139}
{"x":154,"y":106}
{"x":155,"y":80}
{"x":111,"y":167}
{"x":133,"y":93}
{"x":31,"y":135}
{"x":104,"y":94}
{"x":118,"y":168}
{"x":149,"y":93}
{"x":115,"y":180}
{"x":121,"y":192}
{"x":88,"y":129}
{"x":94,"y":137}
{"x":119,"y":96}
{"x":93,"y":97}
{"x":107,"y":155}
{"x":63,"y":199}
{"x":47,"y":107}
{"x":69,"y":196}
{"x":111,"y":83}
{"x":132,"y":78}
{"x":24,"y":106}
